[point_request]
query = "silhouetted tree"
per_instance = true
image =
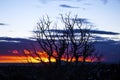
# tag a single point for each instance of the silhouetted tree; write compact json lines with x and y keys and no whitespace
{"x":72,"y":41}
{"x":43,"y":27}
{"x":79,"y":36}
{"x":52,"y":43}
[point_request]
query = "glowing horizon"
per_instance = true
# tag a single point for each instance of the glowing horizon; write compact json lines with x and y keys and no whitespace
{"x":28,"y":58}
{"x":23,"y":59}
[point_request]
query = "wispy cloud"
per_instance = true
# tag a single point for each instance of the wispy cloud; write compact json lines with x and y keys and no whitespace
{"x":83,"y":20}
{"x":91,"y":31}
{"x":104,"y":32}
{"x":104,"y":1}
{"x":67,"y":6}
{"x":9,"y":39}
{"x":8,"y":44}
{"x":2,"y":24}
{"x":88,"y":4}
{"x":45,"y":1}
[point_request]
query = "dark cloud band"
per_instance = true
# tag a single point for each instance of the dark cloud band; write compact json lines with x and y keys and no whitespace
{"x":2,"y":24}
{"x":67,"y":6}
{"x":91,"y":31}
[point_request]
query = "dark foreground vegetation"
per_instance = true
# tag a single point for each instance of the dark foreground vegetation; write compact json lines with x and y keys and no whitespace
{"x":89,"y":71}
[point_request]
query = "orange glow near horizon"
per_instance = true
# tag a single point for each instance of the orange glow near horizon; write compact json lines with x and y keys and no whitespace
{"x":27,"y":58}
{"x":17,"y":59}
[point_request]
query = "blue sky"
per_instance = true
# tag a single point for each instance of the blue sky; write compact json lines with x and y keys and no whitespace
{"x":18,"y":18}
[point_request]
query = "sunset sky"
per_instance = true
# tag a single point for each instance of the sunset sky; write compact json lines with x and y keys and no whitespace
{"x":18,"y":19}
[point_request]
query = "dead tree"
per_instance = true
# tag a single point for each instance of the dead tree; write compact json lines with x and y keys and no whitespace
{"x":52,"y":43}
{"x":79,"y":36}
{"x":43,"y":38}
{"x":73,"y":40}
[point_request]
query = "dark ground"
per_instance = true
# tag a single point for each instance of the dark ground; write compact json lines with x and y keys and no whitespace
{"x":65,"y":72}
